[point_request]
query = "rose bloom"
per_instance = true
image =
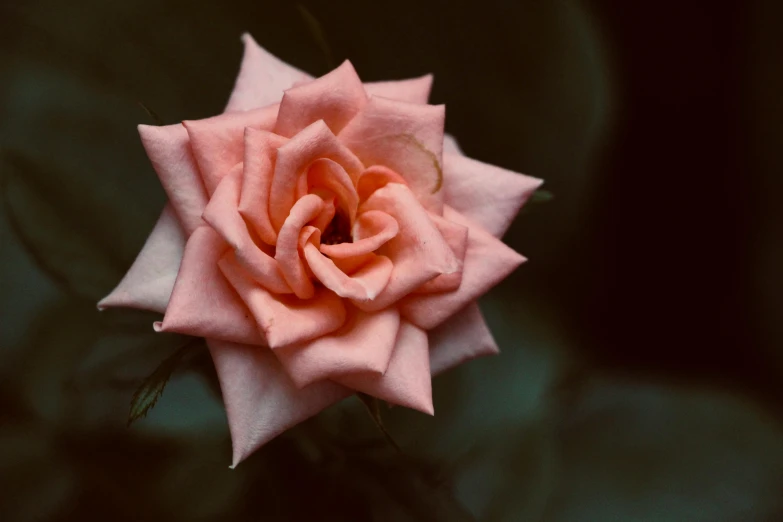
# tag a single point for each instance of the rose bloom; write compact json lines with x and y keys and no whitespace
{"x":325,"y":240}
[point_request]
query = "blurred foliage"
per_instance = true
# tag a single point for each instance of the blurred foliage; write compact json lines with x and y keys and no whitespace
{"x":540,"y":433}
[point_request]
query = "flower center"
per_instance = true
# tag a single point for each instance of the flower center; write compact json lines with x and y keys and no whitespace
{"x":338,"y":230}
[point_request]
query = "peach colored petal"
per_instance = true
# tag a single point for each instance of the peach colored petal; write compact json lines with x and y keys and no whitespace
{"x":371,"y":231}
{"x":218,"y":143}
{"x":363,"y":285}
{"x":363,"y":344}
{"x":488,"y":195}
{"x":405,"y":137}
{"x":330,"y":175}
{"x":334,"y":98}
{"x":259,"y":163}
{"x":450,"y":145}
{"x":376,"y":177}
{"x":222,"y":215}
{"x":413,"y":90}
{"x":203,"y":304}
{"x":149,"y":281}
{"x":261,"y":401}
{"x":419,"y":252}
{"x":285,"y":319}
{"x":457,"y":237}
{"x":464,"y":336}
{"x":322,"y":220}
{"x":487,"y":262}
{"x":262,"y":78}
{"x":287,"y":252}
{"x":407,"y":381}
{"x":314,"y":142}
{"x":169,"y":152}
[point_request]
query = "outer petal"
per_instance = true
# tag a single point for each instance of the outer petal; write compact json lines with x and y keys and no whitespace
{"x":407,"y":380}
{"x":218,"y":143}
{"x":261,"y":401}
{"x":285,"y":319}
{"x":262,"y":78}
{"x":334,"y":98}
{"x":203,"y":304}
{"x":169,"y":152}
{"x":149,"y":282}
{"x":418,"y":252}
{"x":487,"y":262}
{"x":363,"y":344}
{"x":405,"y":137}
{"x":223,"y":216}
{"x":462,"y":337}
{"x":413,"y":90}
{"x":488,"y":195}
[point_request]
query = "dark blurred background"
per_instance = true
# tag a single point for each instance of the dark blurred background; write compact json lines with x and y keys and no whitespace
{"x":640,"y":377}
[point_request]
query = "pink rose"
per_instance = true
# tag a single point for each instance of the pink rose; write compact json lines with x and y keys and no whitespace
{"x":323,"y":242}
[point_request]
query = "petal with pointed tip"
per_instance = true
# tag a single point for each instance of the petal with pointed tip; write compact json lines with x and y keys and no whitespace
{"x":262,"y":78}
{"x":464,"y":336}
{"x":334,"y":98}
{"x":488,"y":195}
{"x":168,"y":148}
{"x":407,"y":381}
{"x":148,"y":283}
{"x":261,"y":401}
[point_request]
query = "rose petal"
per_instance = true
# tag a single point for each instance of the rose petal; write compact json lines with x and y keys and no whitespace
{"x":413,"y":90}
{"x":462,"y":337}
{"x":457,"y":237}
{"x":287,"y":252}
{"x":259,"y":163}
{"x":450,"y":145}
{"x":407,"y":381}
{"x":487,"y":262}
{"x":169,"y":152}
{"x":314,"y":142}
{"x":376,"y":177}
{"x":218,"y":142}
{"x":363,"y":285}
{"x":148,"y":283}
{"x":488,"y":195}
{"x":363,"y":344}
{"x":261,"y":401}
{"x":222,"y":215}
{"x":418,"y":251}
{"x":330,"y":175}
{"x":262,"y":78}
{"x":334,"y":98}
{"x":285,"y":319}
{"x":405,"y":137}
{"x":203,"y":304}
{"x":372,"y":230}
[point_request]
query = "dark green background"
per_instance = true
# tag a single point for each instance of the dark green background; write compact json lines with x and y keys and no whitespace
{"x":641,"y":366}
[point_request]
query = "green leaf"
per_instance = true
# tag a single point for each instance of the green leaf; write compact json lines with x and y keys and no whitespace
{"x":541,"y":196}
{"x":318,"y":34}
{"x":152,"y":387}
{"x":56,"y":231}
{"x":373,"y":406}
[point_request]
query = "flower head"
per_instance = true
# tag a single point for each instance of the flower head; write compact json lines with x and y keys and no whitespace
{"x":323,"y":242}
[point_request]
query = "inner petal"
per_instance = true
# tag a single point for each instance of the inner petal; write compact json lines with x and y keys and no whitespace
{"x":287,"y":251}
